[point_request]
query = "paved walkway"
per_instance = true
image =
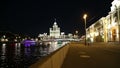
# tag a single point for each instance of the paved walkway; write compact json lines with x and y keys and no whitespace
{"x":81,"y":56}
{"x":72,"y":58}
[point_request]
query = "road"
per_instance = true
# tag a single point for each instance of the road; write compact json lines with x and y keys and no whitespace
{"x":93,"y":56}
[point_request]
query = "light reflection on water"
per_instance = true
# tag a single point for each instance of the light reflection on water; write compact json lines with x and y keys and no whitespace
{"x":15,"y":55}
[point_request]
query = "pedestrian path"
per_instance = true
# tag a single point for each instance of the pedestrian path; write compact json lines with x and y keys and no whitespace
{"x":74,"y":57}
{"x":81,"y":56}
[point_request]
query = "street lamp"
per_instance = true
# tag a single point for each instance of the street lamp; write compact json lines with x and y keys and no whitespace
{"x":84,"y":17}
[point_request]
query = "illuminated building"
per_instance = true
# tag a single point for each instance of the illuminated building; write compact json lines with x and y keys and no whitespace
{"x":55,"y":31}
{"x":106,"y":29}
{"x":7,"y":37}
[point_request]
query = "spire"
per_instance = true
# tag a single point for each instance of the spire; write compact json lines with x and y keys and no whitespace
{"x":55,"y":21}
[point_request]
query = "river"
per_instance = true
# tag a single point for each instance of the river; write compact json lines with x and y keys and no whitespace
{"x":16,"y":55}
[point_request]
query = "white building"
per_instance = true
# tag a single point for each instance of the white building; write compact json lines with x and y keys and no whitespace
{"x":106,"y":29}
{"x":55,"y":31}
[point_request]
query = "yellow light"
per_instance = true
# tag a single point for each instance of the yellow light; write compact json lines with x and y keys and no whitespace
{"x":76,"y":32}
{"x":15,"y":40}
{"x":85,"y":16}
{"x":88,"y":35}
{"x":92,"y":34}
{"x":2,"y":39}
{"x":6,"y":40}
{"x":109,"y":26}
{"x":96,"y":33}
{"x":113,"y":24}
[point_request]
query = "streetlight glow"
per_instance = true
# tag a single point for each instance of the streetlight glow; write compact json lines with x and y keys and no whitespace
{"x":85,"y":16}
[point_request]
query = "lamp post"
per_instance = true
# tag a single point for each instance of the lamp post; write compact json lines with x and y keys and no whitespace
{"x":84,"y":17}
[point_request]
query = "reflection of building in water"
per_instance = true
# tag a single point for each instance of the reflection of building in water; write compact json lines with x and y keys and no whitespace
{"x":55,"y":31}
{"x":106,"y":28}
{"x":3,"y":49}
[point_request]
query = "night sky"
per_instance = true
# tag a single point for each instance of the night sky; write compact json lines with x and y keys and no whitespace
{"x":32,"y":17}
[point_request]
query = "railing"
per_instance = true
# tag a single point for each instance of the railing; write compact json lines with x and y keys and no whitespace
{"x":54,"y":60}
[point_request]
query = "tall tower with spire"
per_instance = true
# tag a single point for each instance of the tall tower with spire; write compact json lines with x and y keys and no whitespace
{"x":55,"y":30}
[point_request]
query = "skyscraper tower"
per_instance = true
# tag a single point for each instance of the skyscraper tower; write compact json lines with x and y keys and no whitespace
{"x":55,"y":30}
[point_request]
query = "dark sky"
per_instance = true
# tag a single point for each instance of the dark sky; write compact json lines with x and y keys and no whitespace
{"x":37,"y":16}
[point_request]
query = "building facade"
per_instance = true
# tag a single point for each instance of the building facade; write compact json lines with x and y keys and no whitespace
{"x":55,"y":31}
{"x":106,"y":29}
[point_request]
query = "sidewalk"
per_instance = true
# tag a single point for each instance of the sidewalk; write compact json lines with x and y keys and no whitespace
{"x":109,"y":43}
{"x":73,"y":59}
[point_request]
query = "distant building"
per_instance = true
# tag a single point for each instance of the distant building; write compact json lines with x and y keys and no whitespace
{"x":70,"y":35}
{"x":7,"y":36}
{"x":43,"y":36}
{"x":55,"y":31}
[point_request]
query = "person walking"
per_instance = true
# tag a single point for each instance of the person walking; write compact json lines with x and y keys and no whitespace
{"x":88,"y":41}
